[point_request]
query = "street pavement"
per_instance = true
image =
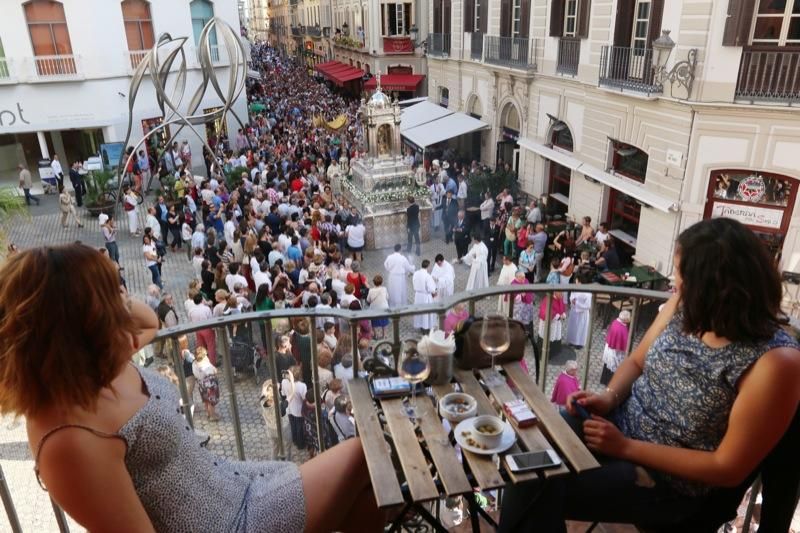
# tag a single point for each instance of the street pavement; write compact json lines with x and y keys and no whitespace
{"x":43,"y":227}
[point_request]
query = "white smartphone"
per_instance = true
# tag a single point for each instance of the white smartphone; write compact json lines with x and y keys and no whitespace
{"x":521,"y":462}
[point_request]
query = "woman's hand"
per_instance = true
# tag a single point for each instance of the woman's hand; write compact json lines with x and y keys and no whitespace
{"x":602,"y":436}
{"x":599,"y":404}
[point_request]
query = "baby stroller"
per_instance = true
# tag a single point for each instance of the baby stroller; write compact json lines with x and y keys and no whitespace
{"x":244,"y":357}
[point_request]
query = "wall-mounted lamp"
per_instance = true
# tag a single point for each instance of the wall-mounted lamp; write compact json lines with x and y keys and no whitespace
{"x":682,"y":72}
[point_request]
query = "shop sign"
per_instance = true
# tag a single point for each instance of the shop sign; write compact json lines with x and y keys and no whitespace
{"x":749,"y":215}
{"x":9,"y":117}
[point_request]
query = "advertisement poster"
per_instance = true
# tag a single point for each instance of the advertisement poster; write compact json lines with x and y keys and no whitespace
{"x":111,"y":154}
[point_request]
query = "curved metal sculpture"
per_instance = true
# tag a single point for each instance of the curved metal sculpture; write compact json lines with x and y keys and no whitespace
{"x":160,"y":70}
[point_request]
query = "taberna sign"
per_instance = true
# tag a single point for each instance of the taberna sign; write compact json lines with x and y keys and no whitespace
{"x":749,"y":215}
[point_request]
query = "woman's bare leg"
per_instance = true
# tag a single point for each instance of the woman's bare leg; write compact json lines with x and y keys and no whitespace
{"x":337,"y":490}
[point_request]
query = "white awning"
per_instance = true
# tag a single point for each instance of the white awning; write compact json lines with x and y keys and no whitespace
{"x":412,"y":101}
{"x":421,"y":113}
{"x":553,"y":155}
{"x":443,"y":128}
{"x":632,"y":189}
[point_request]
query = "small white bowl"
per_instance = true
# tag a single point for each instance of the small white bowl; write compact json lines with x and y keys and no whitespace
{"x":448,"y":410}
{"x":488,"y":439}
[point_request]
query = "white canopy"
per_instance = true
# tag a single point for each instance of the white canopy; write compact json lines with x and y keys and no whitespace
{"x":421,"y":113}
{"x":443,"y":128}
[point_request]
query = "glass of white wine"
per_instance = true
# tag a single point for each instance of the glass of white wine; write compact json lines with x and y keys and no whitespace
{"x":495,"y":339}
{"x":414,"y":367}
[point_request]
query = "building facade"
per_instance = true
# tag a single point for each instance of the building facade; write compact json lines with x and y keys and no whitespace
{"x":649,"y":115}
{"x":66,"y":66}
{"x":375,"y":36}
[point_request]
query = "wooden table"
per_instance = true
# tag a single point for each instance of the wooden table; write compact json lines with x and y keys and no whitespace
{"x":645,"y":276}
{"x":424,"y":459}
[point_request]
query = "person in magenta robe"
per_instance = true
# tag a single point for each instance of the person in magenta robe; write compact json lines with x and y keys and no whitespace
{"x":616,"y":348}
{"x":566,"y":384}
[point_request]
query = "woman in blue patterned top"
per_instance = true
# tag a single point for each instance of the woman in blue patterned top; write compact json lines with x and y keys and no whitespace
{"x":697,"y":406}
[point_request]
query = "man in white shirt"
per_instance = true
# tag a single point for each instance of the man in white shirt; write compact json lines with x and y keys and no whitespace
{"x":262,"y":277}
{"x":602,"y":233}
{"x":445,"y":276}
{"x":234,"y":277}
{"x":461,"y":195}
{"x":424,"y":293}
{"x":199,"y":237}
{"x":534,"y":213}
{"x":399,"y":267}
{"x":230,"y":229}
{"x":57,"y":170}
{"x":152,"y":222}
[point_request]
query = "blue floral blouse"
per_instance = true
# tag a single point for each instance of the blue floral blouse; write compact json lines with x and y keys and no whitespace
{"x":685,"y":393}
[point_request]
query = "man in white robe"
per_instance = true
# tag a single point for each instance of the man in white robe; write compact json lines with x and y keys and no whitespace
{"x":478,"y":267}
{"x":445,"y":277}
{"x":424,"y":293}
{"x":398,"y":267}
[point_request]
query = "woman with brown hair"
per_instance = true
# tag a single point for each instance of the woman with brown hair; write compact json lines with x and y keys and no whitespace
{"x":110,"y":446}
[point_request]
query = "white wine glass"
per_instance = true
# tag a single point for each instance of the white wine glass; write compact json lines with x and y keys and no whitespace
{"x":495,"y":339}
{"x":414,"y":368}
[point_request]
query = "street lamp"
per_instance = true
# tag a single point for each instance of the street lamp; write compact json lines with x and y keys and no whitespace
{"x":413,"y":32}
{"x":346,"y":29}
{"x":682,"y":71}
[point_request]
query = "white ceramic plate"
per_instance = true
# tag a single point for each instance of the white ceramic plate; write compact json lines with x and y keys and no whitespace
{"x":507,"y":440}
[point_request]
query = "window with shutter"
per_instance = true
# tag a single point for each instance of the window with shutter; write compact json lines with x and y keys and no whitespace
{"x":505,"y":18}
{"x":623,"y":25}
{"x":739,"y":22}
{"x":470,"y":13}
{"x":524,"y":19}
{"x":584,"y":14}
{"x":47,"y":26}
{"x":557,"y":8}
{"x":776,"y":23}
{"x":571,"y":18}
{"x":482,"y":11}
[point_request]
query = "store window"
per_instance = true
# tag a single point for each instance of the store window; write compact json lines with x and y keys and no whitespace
{"x":138,"y":24}
{"x":474,"y":108}
{"x":629,"y":161}
{"x":561,"y":136}
{"x":623,"y":219}
{"x":560,"y":178}
{"x":202,"y":11}
{"x":444,"y":96}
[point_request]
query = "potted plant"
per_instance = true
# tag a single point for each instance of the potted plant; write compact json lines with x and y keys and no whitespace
{"x":99,"y":197}
{"x":12,"y":205}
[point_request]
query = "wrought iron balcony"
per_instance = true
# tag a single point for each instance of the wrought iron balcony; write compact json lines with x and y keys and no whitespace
{"x":628,"y":69}
{"x":313,"y":31}
{"x":296,"y":31}
{"x":769,"y":76}
{"x":439,"y":44}
{"x":569,"y":54}
{"x":514,"y":52}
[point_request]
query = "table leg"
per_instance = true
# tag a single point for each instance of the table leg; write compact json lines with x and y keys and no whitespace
{"x":428,"y":517}
{"x":398,"y":523}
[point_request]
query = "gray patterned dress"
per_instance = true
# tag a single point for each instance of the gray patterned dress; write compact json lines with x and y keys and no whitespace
{"x":686,"y":391}
{"x":185,"y":488}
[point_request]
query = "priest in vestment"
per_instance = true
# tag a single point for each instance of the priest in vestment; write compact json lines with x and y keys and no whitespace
{"x":445,"y":277}
{"x":476,"y":258}
{"x":399,"y":267}
{"x":424,"y":293}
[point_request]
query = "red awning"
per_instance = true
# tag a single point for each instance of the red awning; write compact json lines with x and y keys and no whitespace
{"x":338,"y":72}
{"x":396,"y":82}
{"x":340,"y":77}
{"x":321,"y":67}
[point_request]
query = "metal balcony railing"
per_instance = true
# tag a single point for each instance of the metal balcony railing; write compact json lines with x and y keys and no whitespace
{"x":314,"y":31}
{"x":476,"y":46}
{"x":569,"y":54}
{"x":135,"y":57}
{"x":439,"y":44}
{"x":628,"y":69}
{"x":215,"y":53}
{"x":59,"y":66}
{"x":606,"y":301}
{"x":770,"y":76}
{"x":296,"y":30}
{"x":514,"y":52}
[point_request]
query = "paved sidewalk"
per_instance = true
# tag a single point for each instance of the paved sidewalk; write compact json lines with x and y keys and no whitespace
{"x":43,"y":227}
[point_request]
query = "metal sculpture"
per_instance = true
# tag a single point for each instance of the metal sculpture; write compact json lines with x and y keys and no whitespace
{"x":160,"y":71}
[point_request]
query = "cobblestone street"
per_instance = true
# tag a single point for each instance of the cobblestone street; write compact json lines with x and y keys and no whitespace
{"x":43,"y":227}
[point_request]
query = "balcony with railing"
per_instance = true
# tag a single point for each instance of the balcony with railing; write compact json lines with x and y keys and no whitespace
{"x":297,"y":31}
{"x":513,"y":52}
{"x":249,"y":357}
{"x":628,"y":69}
{"x":56,"y":67}
{"x":770,"y":76}
{"x":135,"y":57}
{"x":314,"y":31}
{"x":569,"y":55}
{"x":439,"y":44}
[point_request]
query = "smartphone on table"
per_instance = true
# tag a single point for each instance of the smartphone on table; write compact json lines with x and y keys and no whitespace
{"x":537,"y":460}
